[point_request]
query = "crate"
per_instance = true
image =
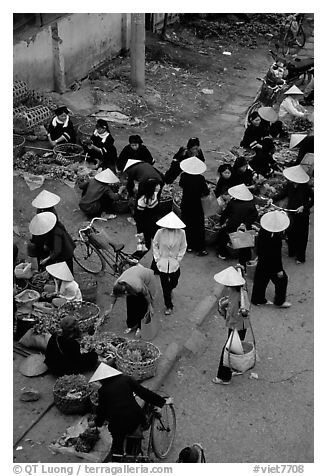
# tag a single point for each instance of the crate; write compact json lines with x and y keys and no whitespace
{"x":27,"y":120}
{"x":20,"y":92}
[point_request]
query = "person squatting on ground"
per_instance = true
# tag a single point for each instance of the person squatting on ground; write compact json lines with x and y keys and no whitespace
{"x":300,"y":198}
{"x":139,"y":285}
{"x":63,"y":355}
{"x":270,"y":266}
{"x":169,"y":246}
{"x":255,"y":132}
{"x":194,"y":188}
{"x":147,"y":211}
{"x":135,"y":150}
{"x":290,"y":107}
{"x":235,"y":309}
{"x":66,"y":288}
{"x":263,"y":163}
{"x":61,"y":129}
{"x":117,"y":406}
{"x":192,"y":149}
{"x":97,"y":194}
{"x":242,"y":173}
{"x":100,"y":147}
{"x":57,"y":243}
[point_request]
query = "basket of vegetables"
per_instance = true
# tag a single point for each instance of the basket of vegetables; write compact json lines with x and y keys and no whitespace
{"x":85,"y":130}
{"x":166,"y":200}
{"x":85,"y":312}
{"x":139,"y":359}
{"x":72,"y":394}
{"x":212,"y":227}
{"x":39,"y":280}
{"x":71,"y":152}
{"x":104,"y":344}
{"x":121,"y":205}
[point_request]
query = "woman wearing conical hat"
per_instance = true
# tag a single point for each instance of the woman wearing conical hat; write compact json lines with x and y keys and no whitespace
{"x":58,"y":244}
{"x":169,"y":246}
{"x":300,"y":198}
{"x":230,"y":307}
{"x":270,"y":265}
{"x":98,"y":196}
{"x":290,"y":107}
{"x":194,"y":188}
{"x":192,"y":149}
{"x":66,"y":288}
{"x":240,"y":213}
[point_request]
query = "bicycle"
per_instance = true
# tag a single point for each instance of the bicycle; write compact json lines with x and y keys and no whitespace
{"x":292,"y":33}
{"x":267,"y":96}
{"x":162,"y":426}
{"x":94,"y":250}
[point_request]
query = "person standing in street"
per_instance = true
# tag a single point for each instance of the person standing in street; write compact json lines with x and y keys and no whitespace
{"x":192,"y":149}
{"x":235,"y":309}
{"x":169,"y":246}
{"x":194,"y":188}
{"x":269,"y":265}
{"x":300,"y":199}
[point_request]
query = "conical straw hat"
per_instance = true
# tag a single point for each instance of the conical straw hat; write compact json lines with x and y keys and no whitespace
{"x":45,"y":199}
{"x":42,"y":223}
{"x":275,"y":221}
{"x":268,"y":114}
{"x":296,"y":139}
{"x":33,"y":365}
{"x":106,"y":176}
{"x":131,"y":162}
{"x":241,"y":192}
{"x":294,"y":90}
{"x":193,"y":166}
{"x":296,"y":174}
{"x":104,"y":371}
{"x":229,"y":277}
{"x":60,"y":271}
{"x":171,"y":221}
{"x":308,"y":159}
{"x":234,"y":343}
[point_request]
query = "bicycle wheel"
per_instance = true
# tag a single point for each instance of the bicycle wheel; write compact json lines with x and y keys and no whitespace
{"x":87,"y":257}
{"x":300,"y":37}
{"x":163,"y":429}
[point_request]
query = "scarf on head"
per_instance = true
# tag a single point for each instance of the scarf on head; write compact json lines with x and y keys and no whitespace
{"x":102,"y":136}
{"x":56,"y":122}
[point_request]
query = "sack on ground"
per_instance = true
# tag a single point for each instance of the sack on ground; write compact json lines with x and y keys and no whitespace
{"x":210,"y":205}
{"x":35,"y":341}
{"x":23,"y":271}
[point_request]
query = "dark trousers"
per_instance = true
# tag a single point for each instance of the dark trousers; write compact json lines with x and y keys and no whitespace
{"x":225,"y":373}
{"x":137,"y":307}
{"x":195,"y":230}
{"x":261,"y":279}
{"x":118,"y":433}
{"x":297,"y":236}
{"x":169,"y":282}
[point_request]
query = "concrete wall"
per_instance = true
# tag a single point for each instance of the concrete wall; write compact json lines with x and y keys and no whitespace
{"x":86,"y":40}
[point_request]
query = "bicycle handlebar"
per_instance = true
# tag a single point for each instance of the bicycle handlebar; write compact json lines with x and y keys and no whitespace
{"x":90,"y":225}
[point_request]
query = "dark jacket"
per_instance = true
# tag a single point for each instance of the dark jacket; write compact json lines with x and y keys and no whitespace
{"x":63,"y":356}
{"x":117,"y":402}
{"x":244,"y":177}
{"x":297,"y":196}
{"x":222,"y":186}
{"x":237,"y":212}
{"x":141,"y":172}
{"x":253,"y":135}
{"x":194,"y":188}
{"x":142,"y":153}
{"x":263,"y":163}
{"x":60,"y":244}
{"x":108,"y":154}
{"x":92,"y":193}
{"x":175,"y":169}
{"x":59,"y":130}
{"x":306,"y":147}
{"x":269,"y":250}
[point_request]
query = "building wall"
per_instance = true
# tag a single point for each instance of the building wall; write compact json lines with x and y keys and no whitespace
{"x":86,"y":40}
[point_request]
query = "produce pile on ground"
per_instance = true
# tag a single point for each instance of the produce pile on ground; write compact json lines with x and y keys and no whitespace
{"x":167,"y":192}
{"x":300,"y":124}
{"x":72,"y":387}
{"x":46,"y":322}
{"x":52,"y":167}
{"x":87,"y":440}
{"x":104,"y":344}
{"x":39,"y":280}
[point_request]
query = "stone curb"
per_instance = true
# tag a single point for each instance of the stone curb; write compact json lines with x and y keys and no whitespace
{"x":192,"y":344}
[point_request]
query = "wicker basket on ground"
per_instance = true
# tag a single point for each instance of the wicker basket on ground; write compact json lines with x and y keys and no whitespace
{"x":85,"y":130}
{"x":18,"y":145}
{"x":136,"y":358}
{"x":69,"y":151}
{"x":71,"y":394}
{"x":121,"y":206}
{"x":85,"y":312}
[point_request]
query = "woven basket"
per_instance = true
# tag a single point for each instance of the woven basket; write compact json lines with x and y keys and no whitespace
{"x":18,"y":147}
{"x":85,"y":312}
{"x":242,"y":362}
{"x":69,"y":151}
{"x":121,"y":206}
{"x":210,"y":236}
{"x":71,"y":406}
{"x":85,"y":130}
{"x":138,"y":370}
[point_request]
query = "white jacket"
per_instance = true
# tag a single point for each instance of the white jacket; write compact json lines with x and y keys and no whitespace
{"x":169,"y":247}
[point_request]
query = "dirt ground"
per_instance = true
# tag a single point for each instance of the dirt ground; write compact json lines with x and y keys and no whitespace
{"x":269,"y":419}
